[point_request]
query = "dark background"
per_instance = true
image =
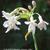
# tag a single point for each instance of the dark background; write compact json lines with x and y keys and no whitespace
{"x":15,"y":39}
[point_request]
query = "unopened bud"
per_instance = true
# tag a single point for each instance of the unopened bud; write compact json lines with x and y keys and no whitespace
{"x":33,"y":3}
{"x":29,"y":7}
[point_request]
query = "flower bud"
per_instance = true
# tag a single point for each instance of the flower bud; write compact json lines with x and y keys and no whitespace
{"x":29,"y":7}
{"x":33,"y":3}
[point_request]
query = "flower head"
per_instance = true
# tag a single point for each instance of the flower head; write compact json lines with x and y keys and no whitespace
{"x":11,"y":21}
{"x":31,"y":27}
{"x":42,"y":24}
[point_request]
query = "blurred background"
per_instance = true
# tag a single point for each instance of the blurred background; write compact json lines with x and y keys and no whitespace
{"x":15,"y":39}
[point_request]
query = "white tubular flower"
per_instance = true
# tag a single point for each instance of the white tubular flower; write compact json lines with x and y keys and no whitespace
{"x":31,"y":27}
{"x":42,"y":24}
{"x":11,"y":21}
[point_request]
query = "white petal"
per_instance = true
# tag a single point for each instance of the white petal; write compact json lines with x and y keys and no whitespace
{"x":45,"y":27}
{"x":40,"y":26}
{"x":35,"y":24}
{"x":18,"y":23}
{"x":8,"y":29}
{"x":5,"y":24}
{"x":16,"y":28}
{"x":31,"y":28}
{"x":27,"y":22}
{"x":5,"y":14}
{"x":46,"y":22}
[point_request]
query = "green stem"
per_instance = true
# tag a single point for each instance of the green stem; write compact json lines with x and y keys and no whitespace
{"x":33,"y":9}
{"x":18,"y":9}
{"x":35,"y":44}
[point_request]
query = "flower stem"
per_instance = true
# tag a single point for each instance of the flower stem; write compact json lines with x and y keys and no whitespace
{"x":18,"y":9}
{"x":35,"y":44}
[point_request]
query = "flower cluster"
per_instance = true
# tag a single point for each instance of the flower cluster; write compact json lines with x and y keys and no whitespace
{"x":20,"y":12}
{"x":12,"y":19}
{"x":32,"y":25}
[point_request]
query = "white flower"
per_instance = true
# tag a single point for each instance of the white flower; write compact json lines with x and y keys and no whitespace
{"x":31,"y":27}
{"x":11,"y":21}
{"x":42,"y":24}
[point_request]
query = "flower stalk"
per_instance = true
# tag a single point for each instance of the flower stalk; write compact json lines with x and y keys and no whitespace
{"x":35,"y":44}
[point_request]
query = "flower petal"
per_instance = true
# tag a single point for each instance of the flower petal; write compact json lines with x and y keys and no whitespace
{"x":5,"y":14}
{"x":46,"y":23}
{"x":5,"y":24}
{"x":8,"y":29}
{"x":27,"y":22}
{"x":40,"y":26}
{"x":18,"y":23}
{"x":45,"y":27}
{"x":15,"y":27}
